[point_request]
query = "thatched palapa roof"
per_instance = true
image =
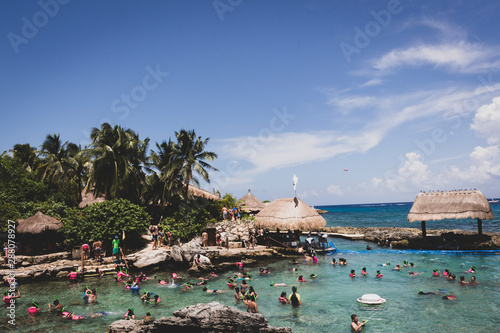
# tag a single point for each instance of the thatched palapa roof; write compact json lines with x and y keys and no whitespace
{"x":38,"y":223}
{"x":450,"y":205}
{"x":202,"y":193}
{"x":290,"y":213}
{"x":251,"y":204}
{"x":88,"y":198}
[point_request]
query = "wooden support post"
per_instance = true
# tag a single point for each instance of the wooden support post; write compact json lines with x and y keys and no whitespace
{"x":479,"y":226}
{"x":424,"y":231}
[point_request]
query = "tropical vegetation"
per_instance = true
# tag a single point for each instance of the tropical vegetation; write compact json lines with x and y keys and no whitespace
{"x":139,"y":185}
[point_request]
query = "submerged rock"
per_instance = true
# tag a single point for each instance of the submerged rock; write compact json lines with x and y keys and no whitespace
{"x":212,"y":317}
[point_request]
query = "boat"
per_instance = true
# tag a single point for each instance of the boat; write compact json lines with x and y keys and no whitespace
{"x":328,"y":249}
{"x":493,"y":201}
{"x":371,"y":299}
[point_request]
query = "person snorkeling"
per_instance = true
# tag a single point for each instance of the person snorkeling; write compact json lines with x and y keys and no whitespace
{"x":129,"y":314}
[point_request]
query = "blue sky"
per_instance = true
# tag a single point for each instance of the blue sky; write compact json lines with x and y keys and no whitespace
{"x":403,"y":94}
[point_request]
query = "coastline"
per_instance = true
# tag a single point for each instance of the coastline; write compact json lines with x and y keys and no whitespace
{"x":58,"y":265}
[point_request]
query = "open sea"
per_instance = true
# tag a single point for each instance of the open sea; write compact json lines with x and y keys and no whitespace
{"x":327,"y":301}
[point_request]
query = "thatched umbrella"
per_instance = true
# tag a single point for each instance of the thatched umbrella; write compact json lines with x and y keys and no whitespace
{"x":290,"y":213}
{"x":38,"y":223}
{"x":251,"y":204}
{"x":450,"y":205}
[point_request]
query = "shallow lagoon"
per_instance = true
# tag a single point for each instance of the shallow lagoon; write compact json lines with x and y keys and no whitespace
{"x":327,"y":301}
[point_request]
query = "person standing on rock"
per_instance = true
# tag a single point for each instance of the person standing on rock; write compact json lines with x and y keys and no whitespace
{"x":169,"y":238}
{"x":218,"y":239}
{"x":204,"y":239}
{"x":96,"y":246}
{"x":116,"y":247}
{"x":224,"y":213}
{"x":85,"y":251}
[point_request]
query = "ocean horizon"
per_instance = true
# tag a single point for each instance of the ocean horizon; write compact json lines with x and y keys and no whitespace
{"x":394,"y":214}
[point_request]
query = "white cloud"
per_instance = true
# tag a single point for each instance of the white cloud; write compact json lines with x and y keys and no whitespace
{"x":461,"y":57}
{"x":371,"y":83}
{"x":348,"y":102}
{"x":487,"y":121}
{"x":308,"y":194}
{"x":335,"y":190}
{"x":452,"y":51}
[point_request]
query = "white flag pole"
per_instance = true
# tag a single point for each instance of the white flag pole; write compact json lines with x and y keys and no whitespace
{"x":295,"y":180}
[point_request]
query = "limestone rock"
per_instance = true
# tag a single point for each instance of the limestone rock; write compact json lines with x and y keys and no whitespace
{"x":212,"y":317}
{"x":151,"y":257}
{"x":176,"y":253}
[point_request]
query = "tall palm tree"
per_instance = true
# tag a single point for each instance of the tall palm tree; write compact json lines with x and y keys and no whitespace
{"x":167,"y":182}
{"x":77,"y":162}
{"x":119,"y":159}
{"x":55,"y":153}
{"x":27,"y":156}
{"x":191,"y":152}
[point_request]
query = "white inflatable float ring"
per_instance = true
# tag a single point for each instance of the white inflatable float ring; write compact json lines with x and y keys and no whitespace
{"x":371,"y":299}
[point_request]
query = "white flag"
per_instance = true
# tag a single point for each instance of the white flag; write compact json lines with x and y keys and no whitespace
{"x":295,"y":180}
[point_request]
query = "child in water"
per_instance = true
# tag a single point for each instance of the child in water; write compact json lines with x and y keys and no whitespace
{"x":282,"y":299}
{"x":378,"y":275}
{"x":364,"y":272}
{"x":352,"y":274}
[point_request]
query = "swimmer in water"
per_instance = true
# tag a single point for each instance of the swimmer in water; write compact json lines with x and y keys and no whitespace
{"x":356,"y":326}
{"x":451,"y":277}
{"x":334,"y":262}
{"x":145,"y":297}
{"x":212,"y":291}
{"x":378,"y":275}
{"x":238,"y":296}
{"x":363,"y":271}
{"x":34,"y":309}
{"x":398,"y":267}
{"x":283,"y":299}
{"x":450,"y":297}
{"x":294,"y":298}
{"x":473,"y":281}
{"x":129,"y":314}
{"x":462,"y":280}
{"x":295,"y":269}
{"x":301,"y":279}
{"x":230,"y":283}
{"x":10,"y":296}
{"x":251,"y":305}
{"x":352,"y":274}
{"x":187,"y":286}
{"x":263,"y":271}
{"x":313,"y":276}
{"x":57,"y":307}
{"x":278,"y":285}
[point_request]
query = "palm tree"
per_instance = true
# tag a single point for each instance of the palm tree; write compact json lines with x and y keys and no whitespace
{"x":77,"y":162}
{"x":26,"y":155}
{"x":55,"y":153}
{"x":191,"y":152}
{"x":119,"y":159}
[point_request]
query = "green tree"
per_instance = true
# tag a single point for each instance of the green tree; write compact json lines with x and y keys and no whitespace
{"x":118,"y":160}
{"x":105,"y":220}
{"x":55,"y":154}
{"x":191,"y":152}
{"x":27,"y":156}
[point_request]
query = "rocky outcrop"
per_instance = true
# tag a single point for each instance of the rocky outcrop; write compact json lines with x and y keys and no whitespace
{"x":210,"y":318}
{"x":148,"y":257}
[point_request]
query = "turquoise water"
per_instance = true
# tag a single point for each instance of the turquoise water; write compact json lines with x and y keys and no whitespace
{"x":394,"y":215}
{"x":328,"y":301}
